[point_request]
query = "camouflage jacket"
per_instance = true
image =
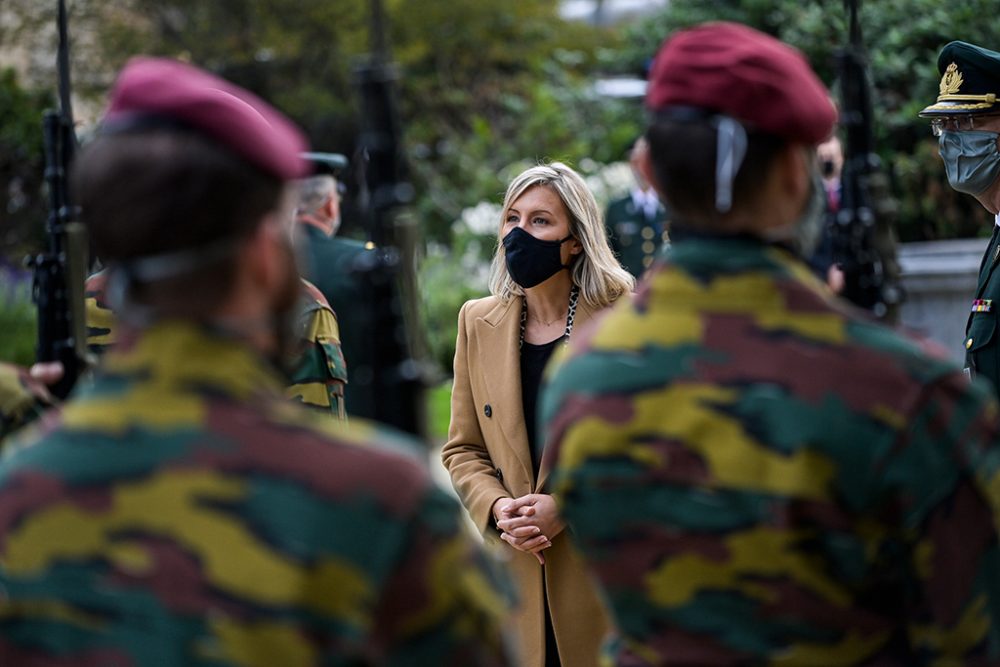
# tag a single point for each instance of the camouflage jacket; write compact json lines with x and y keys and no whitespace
{"x":318,"y":379}
{"x":22,"y":399}
{"x":180,"y":511}
{"x":329,"y":262}
{"x":758,"y":475}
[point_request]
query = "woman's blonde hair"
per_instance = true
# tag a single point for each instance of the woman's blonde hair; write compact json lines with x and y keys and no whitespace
{"x":595,"y":271}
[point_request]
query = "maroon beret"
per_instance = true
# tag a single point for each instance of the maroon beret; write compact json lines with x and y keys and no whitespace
{"x":167,"y":90}
{"x":735,"y":70}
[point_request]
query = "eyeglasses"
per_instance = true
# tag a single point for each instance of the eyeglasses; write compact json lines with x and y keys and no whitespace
{"x":962,"y":123}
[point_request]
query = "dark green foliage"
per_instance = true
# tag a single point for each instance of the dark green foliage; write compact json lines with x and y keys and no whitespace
{"x":18,"y":321}
{"x":903,"y":39}
{"x":22,"y":211}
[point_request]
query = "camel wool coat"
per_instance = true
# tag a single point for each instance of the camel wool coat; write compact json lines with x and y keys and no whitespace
{"x":488,"y":457}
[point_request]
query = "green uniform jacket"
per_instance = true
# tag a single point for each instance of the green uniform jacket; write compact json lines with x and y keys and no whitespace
{"x":982,"y":342}
{"x":635,"y":239}
{"x":180,"y":511}
{"x":758,"y":475}
{"x":330,"y":260}
{"x":317,"y":380}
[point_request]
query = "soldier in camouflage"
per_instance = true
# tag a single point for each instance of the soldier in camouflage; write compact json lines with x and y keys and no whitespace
{"x":331,"y":261}
{"x":318,"y":377}
{"x":179,"y":510}
{"x":756,"y":473}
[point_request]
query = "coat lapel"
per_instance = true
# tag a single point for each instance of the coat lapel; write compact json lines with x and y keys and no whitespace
{"x":500,"y":364}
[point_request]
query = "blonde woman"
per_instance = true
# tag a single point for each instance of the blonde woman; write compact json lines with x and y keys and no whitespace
{"x":552,"y":271}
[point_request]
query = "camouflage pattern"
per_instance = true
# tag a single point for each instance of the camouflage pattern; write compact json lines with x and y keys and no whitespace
{"x":319,"y":378}
{"x":180,"y":511}
{"x":101,"y":321}
{"x":328,"y":264}
{"x":22,"y":399}
{"x":758,"y":475}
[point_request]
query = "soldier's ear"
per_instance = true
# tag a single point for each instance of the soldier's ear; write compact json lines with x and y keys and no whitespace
{"x":788,"y":187}
{"x":799,"y":167}
{"x":254,"y":255}
{"x":332,"y":206}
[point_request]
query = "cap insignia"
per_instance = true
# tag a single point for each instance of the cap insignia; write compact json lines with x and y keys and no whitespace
{"x":951,"y":81}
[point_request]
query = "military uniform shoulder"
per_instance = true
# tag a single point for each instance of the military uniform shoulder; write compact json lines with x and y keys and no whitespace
{"x":923,"y":359}
{"x":352,"y":245}
{"x":619,"y":203}
{"x":620,"y":200}
{"x":313,"y":293}
{"x":370,"y":450}
{"x":358,"y":433}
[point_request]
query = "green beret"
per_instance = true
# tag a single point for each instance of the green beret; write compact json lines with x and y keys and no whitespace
{"x":970,"y":81}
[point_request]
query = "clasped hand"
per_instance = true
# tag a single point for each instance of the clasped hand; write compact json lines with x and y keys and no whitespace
{"x":528,"y":523}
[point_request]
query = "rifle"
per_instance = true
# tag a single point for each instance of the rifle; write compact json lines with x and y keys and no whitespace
{"x":862,"y":241}
{"x":397,"y":377}
{"x":60,"y":271}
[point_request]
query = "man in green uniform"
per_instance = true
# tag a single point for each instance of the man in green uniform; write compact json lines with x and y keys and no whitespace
{"x":637,"y":222}
{"x":330,"y":264}
{"x":966,"y":119}
{"x":757,"y":473}
{"x":179,"y":510}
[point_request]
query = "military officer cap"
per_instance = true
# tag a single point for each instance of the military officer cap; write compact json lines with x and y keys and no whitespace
{"x":159,"y":92}
{"x":326,"y":163}
{"x":970,"y":81}
{"x":731,"y":69}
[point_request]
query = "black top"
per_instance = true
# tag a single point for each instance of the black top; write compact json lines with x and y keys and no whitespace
{"x":533,"y":360}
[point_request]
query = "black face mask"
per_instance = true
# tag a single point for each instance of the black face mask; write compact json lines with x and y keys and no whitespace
{"x":531,"y":261}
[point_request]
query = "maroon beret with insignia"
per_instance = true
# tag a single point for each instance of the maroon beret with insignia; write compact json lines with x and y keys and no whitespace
{"x":732,"y":69}
{"x":163,"y":90}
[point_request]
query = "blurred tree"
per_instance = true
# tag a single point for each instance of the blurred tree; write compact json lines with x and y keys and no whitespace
{"x":903,"y":39}
{"x":483,"y":86}
{"x":23,"y":209}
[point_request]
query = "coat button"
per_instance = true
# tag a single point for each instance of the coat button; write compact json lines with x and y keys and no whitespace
{"x":487,"y":410}
{"x":968,"y":345}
